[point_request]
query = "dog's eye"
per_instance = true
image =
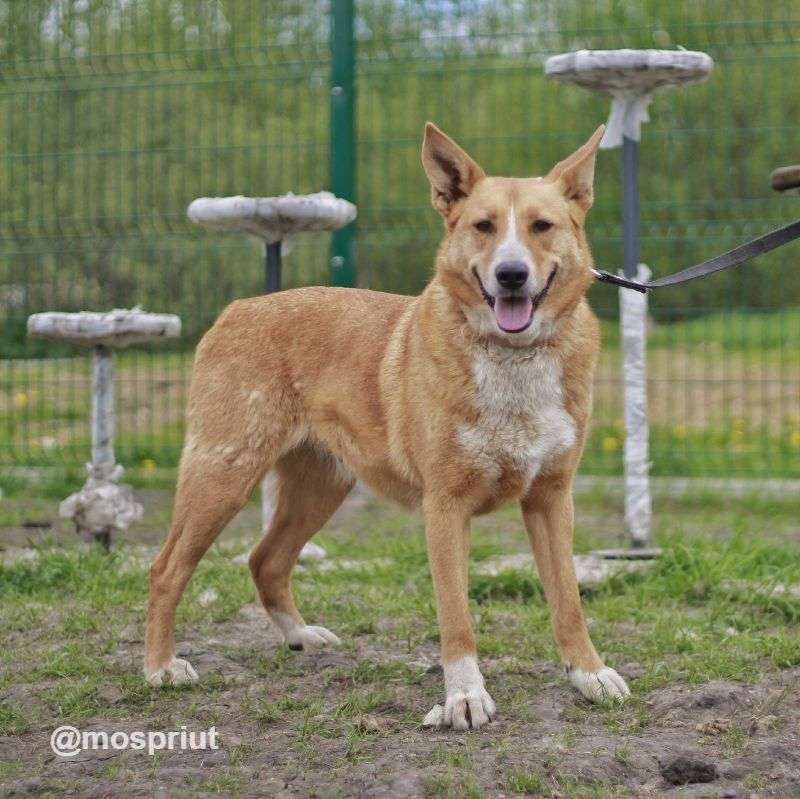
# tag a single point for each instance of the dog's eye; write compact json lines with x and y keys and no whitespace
{"x":542,"y":225}
{"x":484,"y":226}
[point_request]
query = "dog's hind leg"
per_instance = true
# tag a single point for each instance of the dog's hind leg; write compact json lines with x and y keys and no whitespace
{"x":211,"y":490}
{"x":309,"y":486}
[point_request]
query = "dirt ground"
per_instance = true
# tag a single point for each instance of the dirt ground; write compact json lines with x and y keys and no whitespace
{"x":347,"y":722}
{"x":397,"y":758}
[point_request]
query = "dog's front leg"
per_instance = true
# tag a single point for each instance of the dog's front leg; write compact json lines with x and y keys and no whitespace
{"x":549,"y":518}
{"x":467,"y":702}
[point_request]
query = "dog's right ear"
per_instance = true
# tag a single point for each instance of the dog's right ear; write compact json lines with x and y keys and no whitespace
{"x":451,"y":172}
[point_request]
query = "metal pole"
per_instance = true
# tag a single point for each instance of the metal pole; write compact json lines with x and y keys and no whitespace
{"x":343,"y":137}
{"x":630,"y":206}
{"x":272,"y":267}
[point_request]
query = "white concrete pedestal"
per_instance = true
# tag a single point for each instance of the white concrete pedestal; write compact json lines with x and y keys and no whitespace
{"x":274,"y":220}
{"x":630,"y":78}
{"x":104,"y":505}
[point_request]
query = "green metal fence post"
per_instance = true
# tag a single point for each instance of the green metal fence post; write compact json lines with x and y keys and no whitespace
{"x":343,"y":137}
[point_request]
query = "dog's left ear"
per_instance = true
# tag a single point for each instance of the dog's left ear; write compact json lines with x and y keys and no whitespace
{"x":451,"y":172}
{"x":575,"y":174}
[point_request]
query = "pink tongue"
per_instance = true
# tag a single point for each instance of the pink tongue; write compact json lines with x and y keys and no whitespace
{"x":512,"y":313}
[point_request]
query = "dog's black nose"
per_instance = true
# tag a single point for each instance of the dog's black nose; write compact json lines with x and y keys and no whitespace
{"x":511,"y":274}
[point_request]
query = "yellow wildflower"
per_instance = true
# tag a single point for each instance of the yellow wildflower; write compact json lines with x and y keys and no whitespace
{"x":610,"y":444}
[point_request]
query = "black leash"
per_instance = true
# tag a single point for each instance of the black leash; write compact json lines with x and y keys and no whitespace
{"x":738,"y":255}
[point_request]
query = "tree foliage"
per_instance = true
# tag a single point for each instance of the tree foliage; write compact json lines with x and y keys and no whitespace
{"x":115,"y":114}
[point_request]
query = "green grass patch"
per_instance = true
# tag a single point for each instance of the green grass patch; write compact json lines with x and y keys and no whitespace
{"x":514,"y":585}
{"x":734,"y":449}
{"x":12,"y":721}
{"x":761,"y":334}
{"x":453,"y":785}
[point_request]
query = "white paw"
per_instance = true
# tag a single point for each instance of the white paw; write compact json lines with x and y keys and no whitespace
{"x":176,"y":672}
{"x":599,"y":686}
{"x":311,"y":637}
{"x":467,"y":703}
{"x":302,"y":636}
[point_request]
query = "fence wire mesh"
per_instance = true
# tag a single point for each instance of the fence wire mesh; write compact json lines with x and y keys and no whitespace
{"x":115,"y":114}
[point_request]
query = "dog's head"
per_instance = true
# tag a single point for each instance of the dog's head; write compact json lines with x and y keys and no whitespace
{"x":514,"y":254}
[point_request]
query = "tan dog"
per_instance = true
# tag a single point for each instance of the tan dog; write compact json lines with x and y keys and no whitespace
{"x":475,"y":393}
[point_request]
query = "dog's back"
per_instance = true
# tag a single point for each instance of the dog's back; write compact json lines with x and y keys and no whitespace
{"x":300,"y":365}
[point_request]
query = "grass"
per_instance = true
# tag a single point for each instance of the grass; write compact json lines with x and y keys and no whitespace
{"x":526,"y":782}
{"x":757,"y":333}
{"x":266,"y":712}
{"x":755,"y":781}
{"x":12,"y":721}
{"x":724,"y":399}
{"x":453,"y":785}
{"x":730,"y":449}
{"x":226,"y":784}
{"x":557,"y":786}
{"x":706,"y":610}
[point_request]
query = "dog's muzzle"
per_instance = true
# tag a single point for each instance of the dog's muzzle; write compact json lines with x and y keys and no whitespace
{"x":514,"y":312}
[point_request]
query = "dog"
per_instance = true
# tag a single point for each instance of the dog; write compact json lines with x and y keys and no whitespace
{"x":473,"y":394}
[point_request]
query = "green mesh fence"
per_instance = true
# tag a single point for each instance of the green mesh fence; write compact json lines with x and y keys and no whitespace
{"x":115,"y":114}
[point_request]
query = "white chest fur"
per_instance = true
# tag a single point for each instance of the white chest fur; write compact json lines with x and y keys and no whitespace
{"x":522,"y":422}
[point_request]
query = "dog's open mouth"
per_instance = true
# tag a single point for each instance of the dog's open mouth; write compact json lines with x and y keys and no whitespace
{"x":514,"y":312}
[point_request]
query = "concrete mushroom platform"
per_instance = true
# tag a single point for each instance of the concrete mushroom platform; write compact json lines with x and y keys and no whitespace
{"x":629,"y":77}
{"x":118,"y":328}
{"x":274,"y":220}
{"x":103,"y":506}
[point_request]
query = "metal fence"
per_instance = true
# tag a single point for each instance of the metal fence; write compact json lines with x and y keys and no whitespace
{"x":114,"y":114}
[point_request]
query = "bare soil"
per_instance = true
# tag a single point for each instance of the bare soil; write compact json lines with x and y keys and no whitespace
{"x":750,"y":734}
